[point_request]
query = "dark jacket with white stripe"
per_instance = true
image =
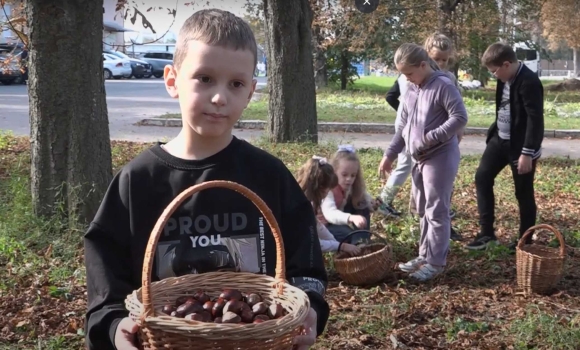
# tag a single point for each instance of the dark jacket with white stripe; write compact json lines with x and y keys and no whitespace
{"x":527,"y":114}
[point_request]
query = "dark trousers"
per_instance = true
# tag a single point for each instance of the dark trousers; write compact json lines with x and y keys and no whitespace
{"x":495,"y":158}
{"x":341,"y":231}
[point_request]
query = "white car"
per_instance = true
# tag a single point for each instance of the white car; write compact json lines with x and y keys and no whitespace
{"x":114,"y":67}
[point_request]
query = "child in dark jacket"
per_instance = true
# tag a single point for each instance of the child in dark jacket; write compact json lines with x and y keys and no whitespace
{"x":216,"y":229}
{"x":514,"y":139}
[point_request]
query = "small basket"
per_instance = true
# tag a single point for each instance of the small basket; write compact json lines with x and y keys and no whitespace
{"x":160,"y":331}
{"x":539,"y":268}
{"x":372,"y":266}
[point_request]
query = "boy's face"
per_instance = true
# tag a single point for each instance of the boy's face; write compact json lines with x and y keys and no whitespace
{"x":214,"y":85}
{"x":502,"y":72}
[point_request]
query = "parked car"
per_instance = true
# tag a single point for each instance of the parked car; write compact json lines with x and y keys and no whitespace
{"x":139,"y":68}
{"x":11,"y":71}
{"x":158,"y":60}
{"x":114,"y":67}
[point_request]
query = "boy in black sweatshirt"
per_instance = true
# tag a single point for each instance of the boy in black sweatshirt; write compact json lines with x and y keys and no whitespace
{"x":514,"y":139}
{"x":216,"y":229}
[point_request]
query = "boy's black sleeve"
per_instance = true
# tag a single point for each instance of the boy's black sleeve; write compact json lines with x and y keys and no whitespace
{"x":532,"y":94}
{"x":393,"y":95}
{"x":108,"y":267}
{"x":304,"y":264}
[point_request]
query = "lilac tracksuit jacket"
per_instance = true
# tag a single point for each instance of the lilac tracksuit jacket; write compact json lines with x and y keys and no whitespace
{"x":432,"y":116}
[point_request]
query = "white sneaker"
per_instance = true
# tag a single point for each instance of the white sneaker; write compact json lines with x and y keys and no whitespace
{"x":427,"y":272}
{"x":412,"y":265}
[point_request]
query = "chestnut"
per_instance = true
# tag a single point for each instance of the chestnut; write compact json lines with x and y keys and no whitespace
{"x":218,"y":306}
{"x":168,"y":309}
{"x":235,"y":306}
{"x":231,"y":294}
{"x":260,"y":308}
{"x":181,"y":300}
{"x":217,"y":320}
{"x":189,"y":308}
{"x":202,"y":316}
{"x":201,"y":297}
{"x":208,"y":305}
{"x":247,"y":315}
{"x":275,"y":310}
{"x":253,"y":298}
{"x":230,"y":317}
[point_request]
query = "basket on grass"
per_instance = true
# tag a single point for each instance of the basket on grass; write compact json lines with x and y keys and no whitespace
{"x":539,"y":268}
{"x":160,"y":331}
{"x":372,"y":265}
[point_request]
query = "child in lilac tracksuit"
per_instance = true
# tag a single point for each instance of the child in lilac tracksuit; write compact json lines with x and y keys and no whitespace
{"x":433,"y":114}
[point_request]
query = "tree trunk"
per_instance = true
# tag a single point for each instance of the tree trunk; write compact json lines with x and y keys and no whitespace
{"x":344,"y":65}
{"x":443,"y":16}
{"x":320,"y":73}
{"x":576,"y":62}
{"x":70,"y":144}
{"x":292,"y":105}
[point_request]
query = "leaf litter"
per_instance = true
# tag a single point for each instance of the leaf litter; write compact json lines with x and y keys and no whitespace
{"x":475,"y":304}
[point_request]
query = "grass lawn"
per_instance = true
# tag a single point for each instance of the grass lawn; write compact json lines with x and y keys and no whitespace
{"x":365,"y":102}
{"x":473,"y":305}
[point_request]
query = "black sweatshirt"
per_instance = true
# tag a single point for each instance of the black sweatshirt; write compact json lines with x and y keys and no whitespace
{"x":216,"y":229}
{"x":393,"y":94}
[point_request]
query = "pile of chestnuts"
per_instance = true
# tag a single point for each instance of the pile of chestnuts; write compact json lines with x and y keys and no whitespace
{"x":232,"y":306}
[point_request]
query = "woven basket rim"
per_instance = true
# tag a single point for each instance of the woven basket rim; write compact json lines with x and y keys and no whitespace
{"x":292,"y":319}
{"x":366,"y":256}
{"x":552,"y":255}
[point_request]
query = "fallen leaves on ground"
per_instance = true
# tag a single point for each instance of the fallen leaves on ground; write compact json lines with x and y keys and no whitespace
{"x":474,"y":304}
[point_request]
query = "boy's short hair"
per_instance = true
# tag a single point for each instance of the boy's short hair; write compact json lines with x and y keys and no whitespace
{"x":215,"y":27}
{"x":498,"y":53}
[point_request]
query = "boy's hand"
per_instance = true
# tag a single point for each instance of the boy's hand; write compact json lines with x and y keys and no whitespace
{"x":524,"y":164}
{"x":308,"y":336}
{"x":125,"y":335}
{"x":358,"y":220}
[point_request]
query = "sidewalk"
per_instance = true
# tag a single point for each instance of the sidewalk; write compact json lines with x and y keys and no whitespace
{"x":471,"y":144}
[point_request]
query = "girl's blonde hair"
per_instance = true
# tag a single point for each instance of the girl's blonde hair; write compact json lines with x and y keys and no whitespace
{"x":358,"y":187}
{"x":438,"y":41}
{"x":410,"y":54}
{"x":441,"y":43}
{"x":315,"y":178}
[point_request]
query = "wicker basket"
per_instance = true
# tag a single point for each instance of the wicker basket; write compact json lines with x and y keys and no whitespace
{"x":539,"y":268}
{"x":160,"y":331}
{"x":373,"y":264}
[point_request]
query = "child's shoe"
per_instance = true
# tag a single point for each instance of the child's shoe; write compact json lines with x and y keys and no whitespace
{"x":427,"y":272}
{"x":412,"y":265}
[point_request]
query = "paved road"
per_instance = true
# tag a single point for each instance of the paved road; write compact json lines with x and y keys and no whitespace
{"x":129,"y":101}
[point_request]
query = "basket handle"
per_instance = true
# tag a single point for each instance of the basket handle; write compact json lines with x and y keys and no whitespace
{"x":557,"y":233}
{"x":359,"y":231}
{"x":177,"y":201}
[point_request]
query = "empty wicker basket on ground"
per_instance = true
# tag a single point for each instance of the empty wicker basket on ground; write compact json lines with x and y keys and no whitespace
{"x":159,"y":331}
{"x":539,"y":268}
{"x":373,"y":264}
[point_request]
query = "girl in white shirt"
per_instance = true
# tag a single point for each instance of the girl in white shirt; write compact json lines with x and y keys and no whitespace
{"x":348,"y":205}
{"x":316,"y":178}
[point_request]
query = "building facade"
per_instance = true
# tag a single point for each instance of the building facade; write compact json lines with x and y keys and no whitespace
{"x":113,"y":29}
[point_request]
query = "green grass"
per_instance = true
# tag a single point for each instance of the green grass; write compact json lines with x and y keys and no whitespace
{"x":365,"y":103}
{"x":473,"y":305}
